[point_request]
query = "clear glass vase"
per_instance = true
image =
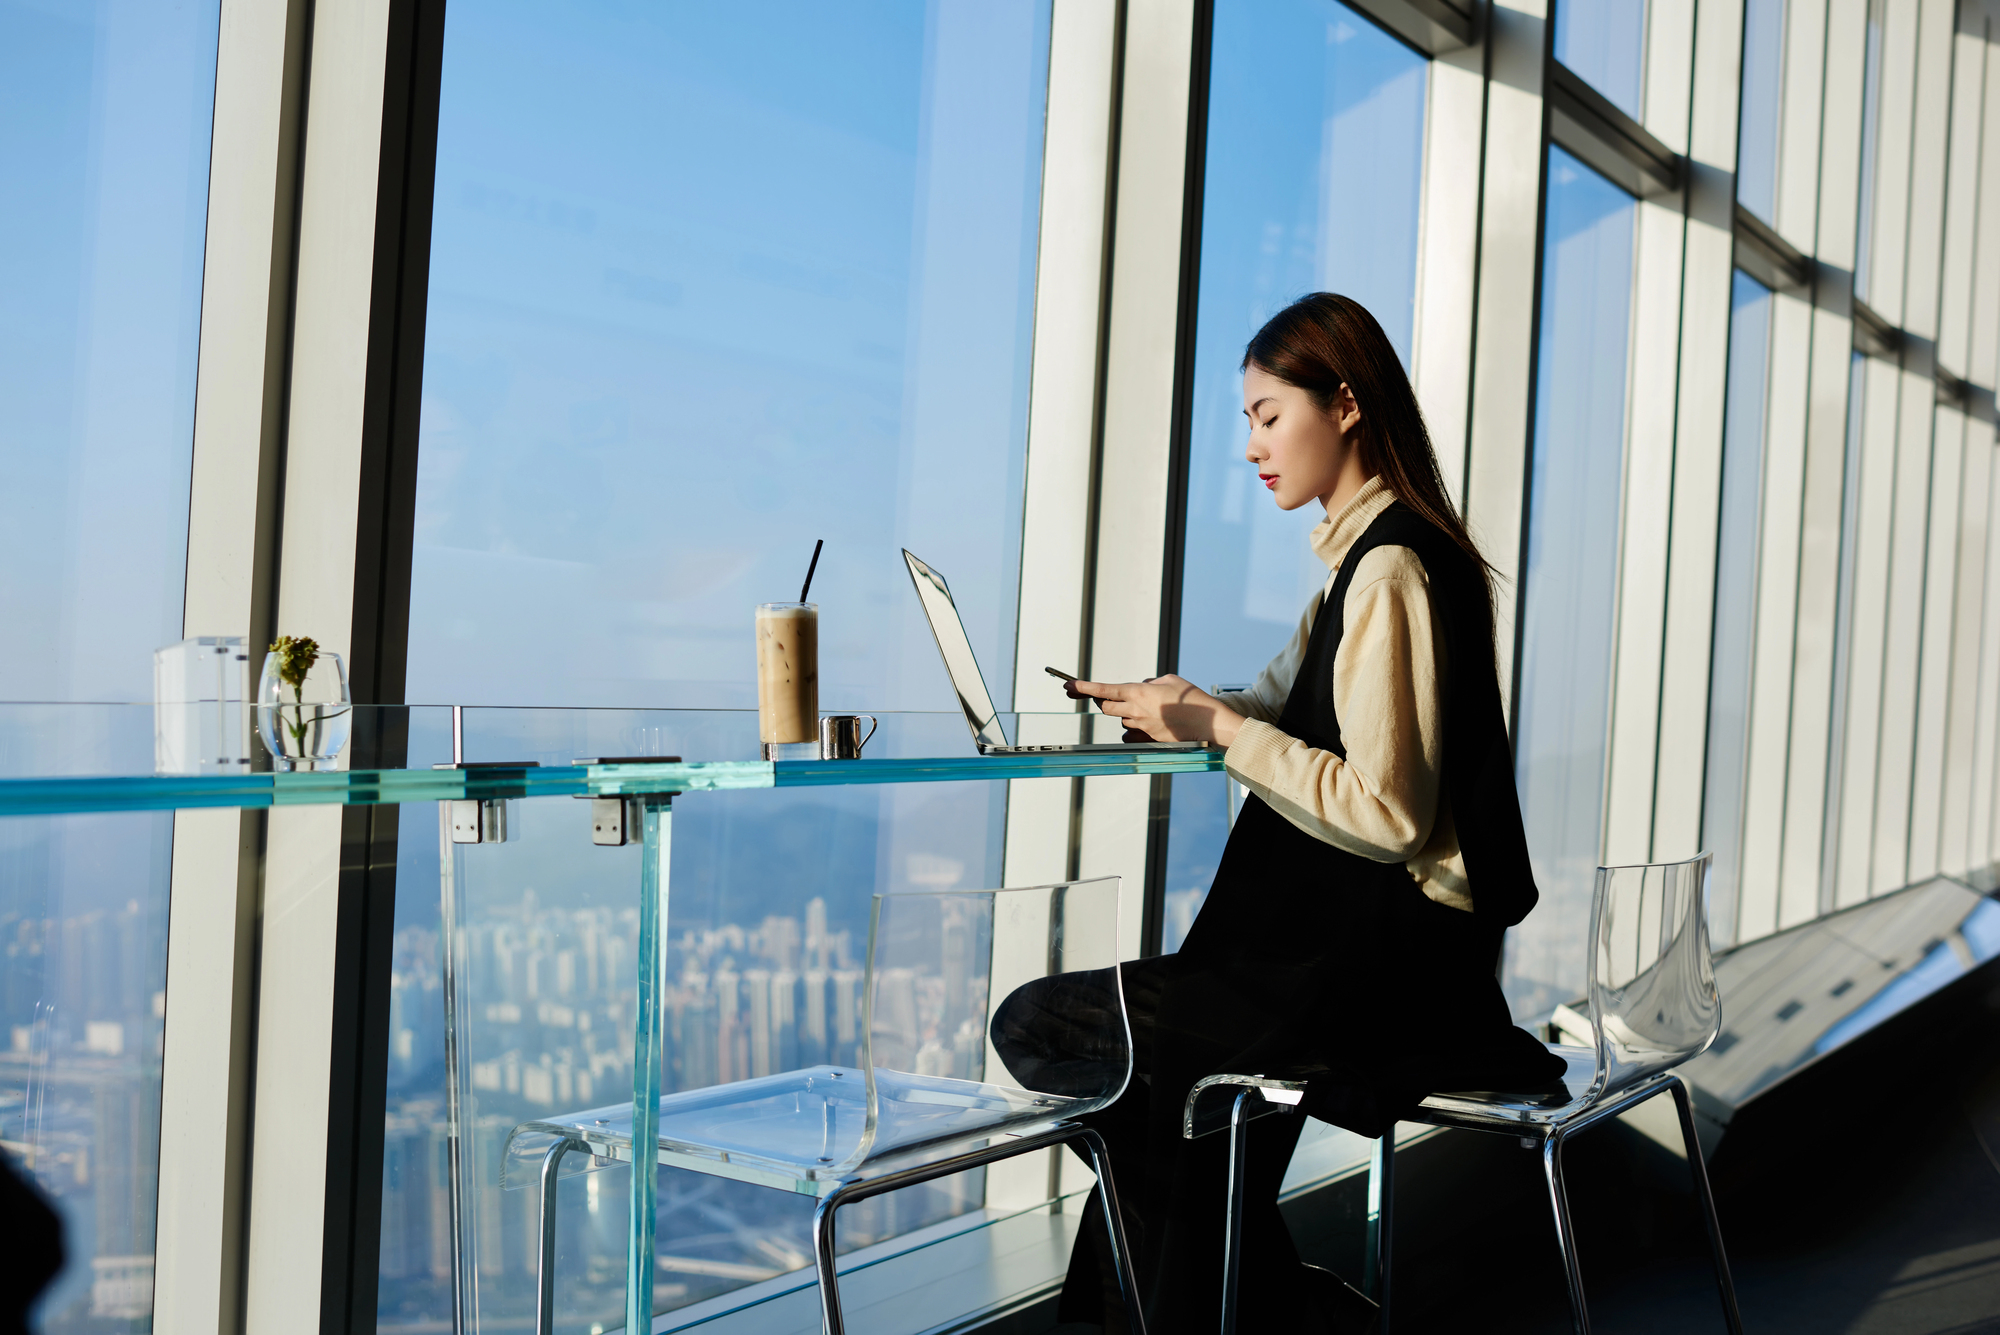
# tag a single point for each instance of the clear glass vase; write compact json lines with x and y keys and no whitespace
{"x":305,"y":727}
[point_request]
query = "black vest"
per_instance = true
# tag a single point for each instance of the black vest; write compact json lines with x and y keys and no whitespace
{"x":1306,"y":957}
{"x":1478,"y":759}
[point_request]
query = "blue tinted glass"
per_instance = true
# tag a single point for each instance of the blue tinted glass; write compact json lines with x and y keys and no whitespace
{"x":1198,"y":828}
{"x":104,"y":128}
{"x":696,"y":303}
{"x":1311,"y":109}
{"x":768,"y":896}
{"x":1735,"y":594}
{"x":105,"y":111}
{"x":1604,"y":42}
{"x":1570,"y":581}
{"x":1763,"y":76}
{"x":699,"y":298}
{"x":1871,"y":137}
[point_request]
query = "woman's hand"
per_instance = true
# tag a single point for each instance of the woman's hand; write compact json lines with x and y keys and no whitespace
{"x":1164,"y":709}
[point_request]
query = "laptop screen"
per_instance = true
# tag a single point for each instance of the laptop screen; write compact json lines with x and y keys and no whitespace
{"x":957,"y":651}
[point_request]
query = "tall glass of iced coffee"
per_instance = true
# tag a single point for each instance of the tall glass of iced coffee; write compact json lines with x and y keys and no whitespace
{"x":787,"y":675}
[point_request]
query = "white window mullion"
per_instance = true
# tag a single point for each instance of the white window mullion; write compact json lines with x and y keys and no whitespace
{"x":1633,"y":753}
{"x":1986,"y":728}
{"x":1961,"y":211}
{"x":1934,"y":668}
{"x":1689,"y":613}
{"x":1862,"y":728}
{"x":1504,"y":337}
{"x":1777,"y":606}
{"x":205,"y":1103}
{"x":324,"y":487}
{"x":1962,"y":706}
{"x":1895,"y":118}
{"x":1928,"y":140}
{"x":1914,"y":433}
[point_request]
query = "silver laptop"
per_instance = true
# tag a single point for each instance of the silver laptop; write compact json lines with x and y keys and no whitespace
{"x":966,"y":679}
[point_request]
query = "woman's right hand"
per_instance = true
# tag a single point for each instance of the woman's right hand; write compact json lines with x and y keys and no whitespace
{"x":1162,"y":709}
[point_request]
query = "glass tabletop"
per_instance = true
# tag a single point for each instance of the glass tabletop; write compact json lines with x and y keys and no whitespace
{"x":44,"y":796}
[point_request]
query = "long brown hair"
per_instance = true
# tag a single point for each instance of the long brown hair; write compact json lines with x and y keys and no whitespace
{"x":1323,"y":341}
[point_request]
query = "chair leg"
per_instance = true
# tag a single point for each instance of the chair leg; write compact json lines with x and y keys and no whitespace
{"x":1114,"y":1228}
{"x":1565,"y":1235}
{"x":545,"y":1272}
{"x":829,"y":1289}
{"x":1699,"y":1172}
{"x":1381,"y":1230}
{"x":1232,"y":1225}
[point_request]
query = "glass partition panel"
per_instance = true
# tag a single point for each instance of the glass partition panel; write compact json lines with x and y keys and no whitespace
{"x":1604,"y":42}
{"x":1310,"y":107}
{"x":1570,"y":578}
{"x":43,"y":740}
{"x":1735,"y":597}
{"x":767,"y":931}
{"x":104,"y":133}
{"x":707,"y":285}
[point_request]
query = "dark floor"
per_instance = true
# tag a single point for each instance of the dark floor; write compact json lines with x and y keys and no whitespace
{"x":1883,"y":1219}
{"x":1885,"y":1222}
{"x":1896,"y":1233}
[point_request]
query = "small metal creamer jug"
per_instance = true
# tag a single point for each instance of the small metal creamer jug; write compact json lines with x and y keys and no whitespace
{"x":841,"y":738}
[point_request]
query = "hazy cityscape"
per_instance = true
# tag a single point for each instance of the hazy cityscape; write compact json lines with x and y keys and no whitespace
{"x":81,"y":1003}
{"x":550,"y":994}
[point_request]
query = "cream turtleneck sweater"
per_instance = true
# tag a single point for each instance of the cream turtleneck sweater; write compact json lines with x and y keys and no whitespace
{"x":1385,"y":801}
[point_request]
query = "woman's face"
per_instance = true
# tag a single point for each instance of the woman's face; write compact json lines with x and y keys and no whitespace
{"x":1300,"y":452}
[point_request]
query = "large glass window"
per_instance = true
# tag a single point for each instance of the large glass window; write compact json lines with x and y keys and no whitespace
{"x":1735,"y":595}
{"x":104,"y":129}
{"x":1570,"y":580}
{"x":691,"y":311}
{"x":1311,"y":108}
{"x":694,"y":304}
{"x":1604,"y":41}
{"x":105,"y":111}
{"x":1763,"y":88}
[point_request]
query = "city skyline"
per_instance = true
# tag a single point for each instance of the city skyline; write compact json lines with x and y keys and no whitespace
{"x":549,"y":990}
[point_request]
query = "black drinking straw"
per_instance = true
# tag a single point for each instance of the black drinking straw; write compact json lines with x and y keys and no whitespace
{"x":809,"y":569}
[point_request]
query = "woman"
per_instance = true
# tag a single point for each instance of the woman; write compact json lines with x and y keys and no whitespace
{"x":1353,"y":930}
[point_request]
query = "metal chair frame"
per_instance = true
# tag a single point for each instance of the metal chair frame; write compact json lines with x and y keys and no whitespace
{"x":1553,"y":1136}
{"x":858,"y":1189}
{"x":1270,"y":1096}
{"x":1281,"y":1096}
{"x":1650,"y":1073}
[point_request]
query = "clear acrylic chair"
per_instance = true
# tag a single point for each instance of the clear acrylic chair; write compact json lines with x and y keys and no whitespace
{"x":1653,"y":1004}
{"x":928,"y":1095}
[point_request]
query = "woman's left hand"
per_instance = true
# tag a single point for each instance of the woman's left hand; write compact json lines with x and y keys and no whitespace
{"x":1165,"y":709}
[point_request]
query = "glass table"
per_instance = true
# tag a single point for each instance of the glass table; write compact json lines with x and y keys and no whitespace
{"x":632,"y":803}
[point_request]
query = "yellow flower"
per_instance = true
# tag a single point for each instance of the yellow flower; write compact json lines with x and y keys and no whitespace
{"x":296,"y":656}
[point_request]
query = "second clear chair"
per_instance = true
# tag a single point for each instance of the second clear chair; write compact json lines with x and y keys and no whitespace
{"x":1653,"y":1004}
{"x":949,"y":975}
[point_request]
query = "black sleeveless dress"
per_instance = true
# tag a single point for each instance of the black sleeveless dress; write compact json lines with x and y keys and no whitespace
{"x":1310,"y":962}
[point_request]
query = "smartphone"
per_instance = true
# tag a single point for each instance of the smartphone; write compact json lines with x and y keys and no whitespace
{"x":1058,"y":672}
